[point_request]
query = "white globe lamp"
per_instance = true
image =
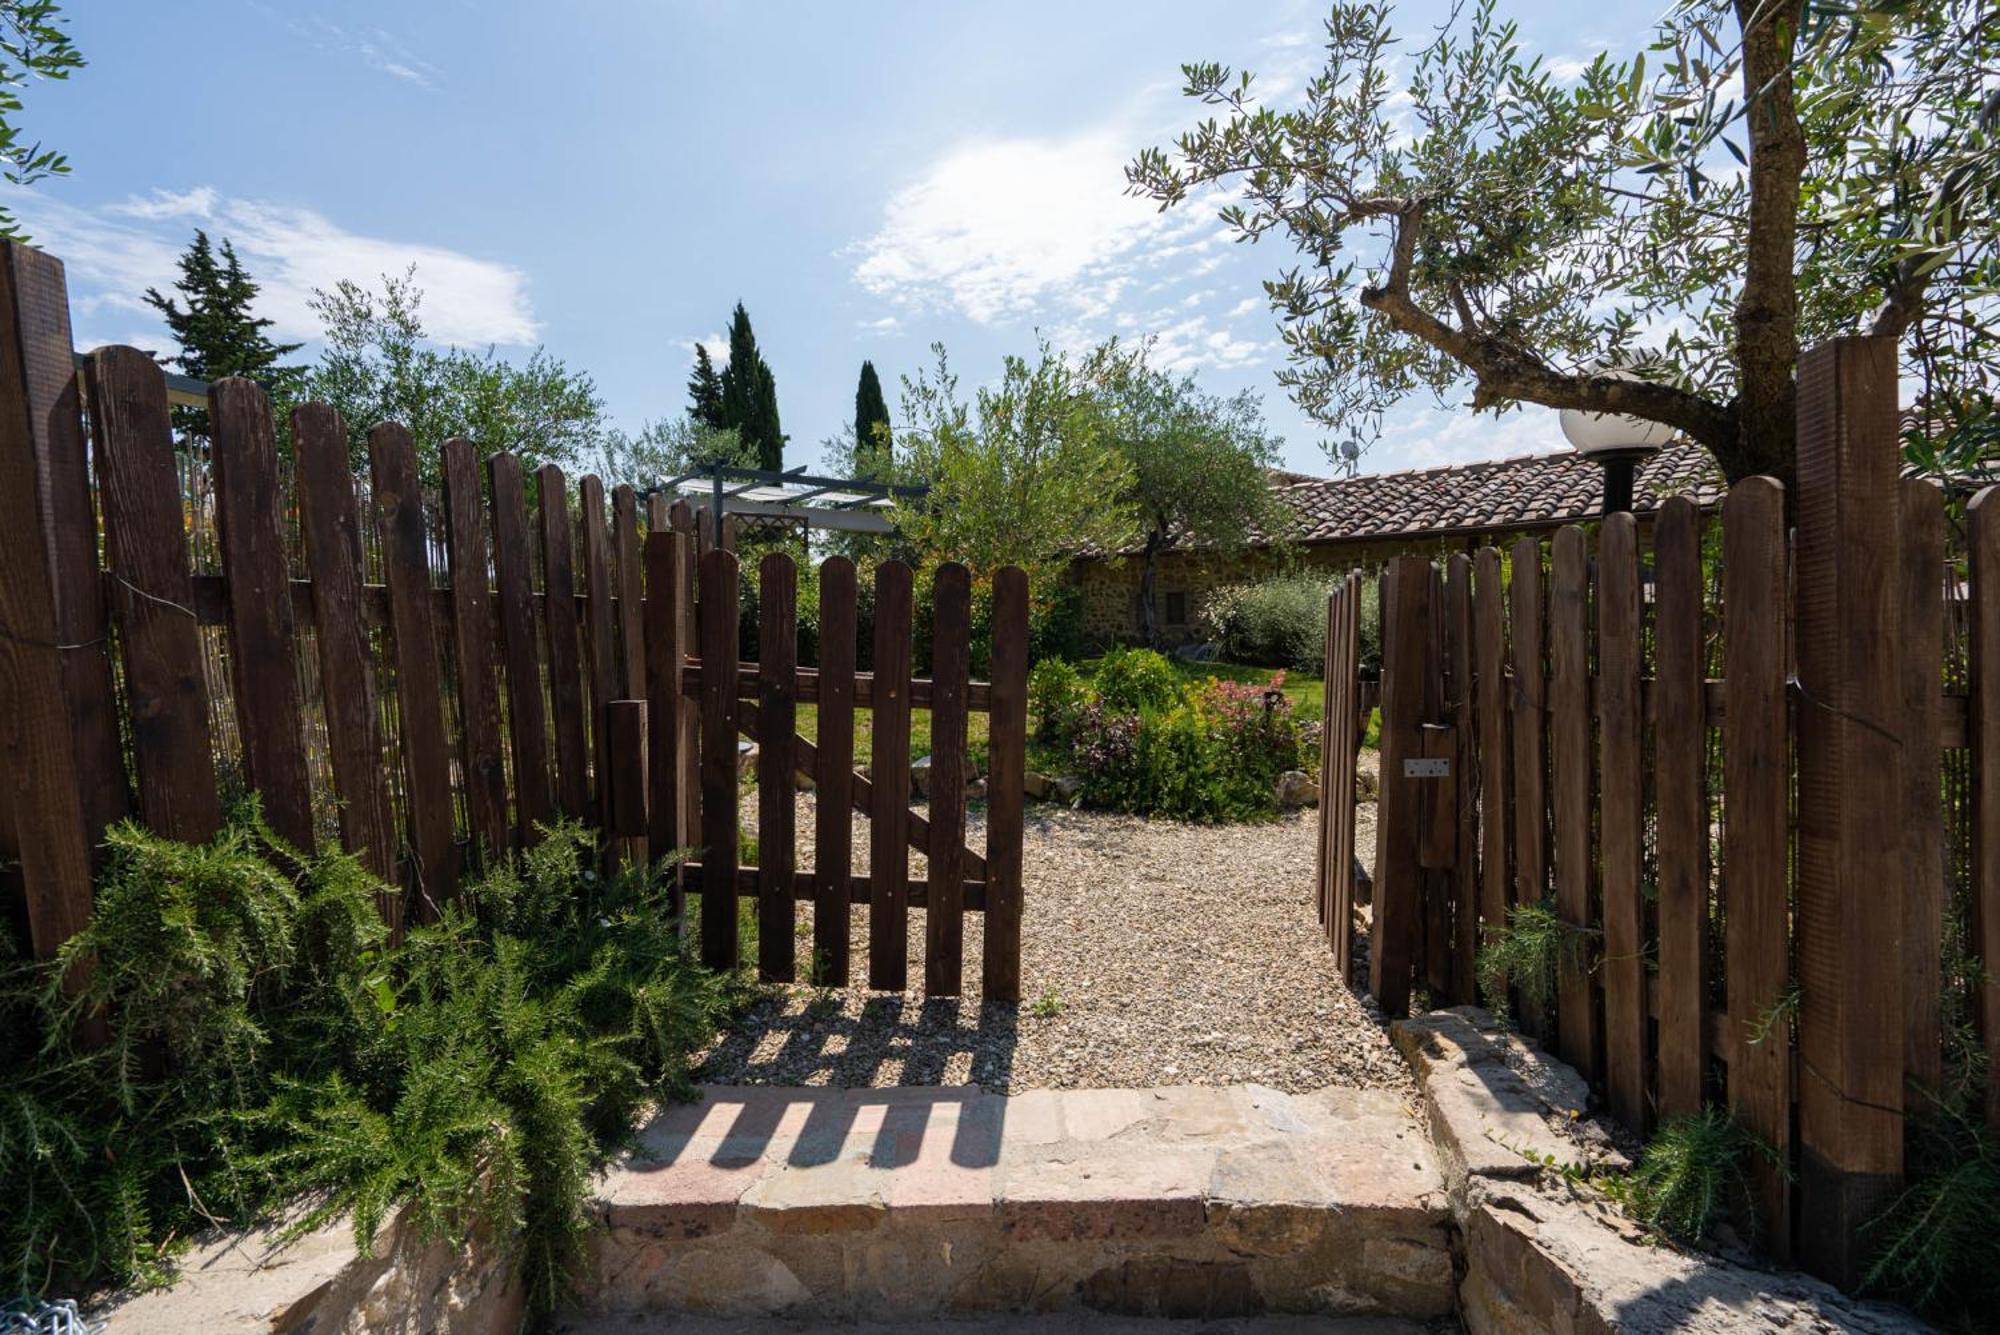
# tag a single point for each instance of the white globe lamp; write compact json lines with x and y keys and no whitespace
{"x":1616,"y":443}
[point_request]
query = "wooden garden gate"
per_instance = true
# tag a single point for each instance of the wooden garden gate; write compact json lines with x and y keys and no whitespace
{"x":1340,"y":742}
{"x":691,"y":755}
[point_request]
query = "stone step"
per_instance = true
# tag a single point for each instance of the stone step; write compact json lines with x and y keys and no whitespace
{"x":914,"y":1203}
{"x":1046,"y":1323}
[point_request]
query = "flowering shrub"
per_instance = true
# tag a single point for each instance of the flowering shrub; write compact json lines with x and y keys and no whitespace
{"x":1210,"y":753}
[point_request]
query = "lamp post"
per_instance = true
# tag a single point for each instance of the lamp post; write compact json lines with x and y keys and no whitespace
{"x":1615,"y":443}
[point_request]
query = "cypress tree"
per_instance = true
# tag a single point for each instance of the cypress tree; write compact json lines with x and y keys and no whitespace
{"x":217,"y":334}
{"x":705,"y":390}
{"x":750,"y":395}
{"x":871,"y":422}
{"x":771,"y":444}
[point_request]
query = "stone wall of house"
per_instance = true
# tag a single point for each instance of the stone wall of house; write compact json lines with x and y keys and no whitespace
{"x":1110,"y":585}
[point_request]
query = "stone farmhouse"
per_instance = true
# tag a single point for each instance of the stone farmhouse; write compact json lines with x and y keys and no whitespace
{"x":1340,"y":524}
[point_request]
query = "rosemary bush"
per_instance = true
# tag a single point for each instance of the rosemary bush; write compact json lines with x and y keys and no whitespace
{"x":266,"y":1046}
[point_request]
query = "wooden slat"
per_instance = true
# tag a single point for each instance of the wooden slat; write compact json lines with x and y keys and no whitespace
{"x":250,"y":507}
{"x":527,"y":714}
{"x":631,"y":591}
{"x":1489,"y":645}
{"x":1530,"y":746}
{"x":1329,"y":703}
{"x":1459,"y":691}
{"x":1983,"y":525}
{"x":1007,"y":749}
{"x":833,"y":828}
{"x":473,"y":636}
{"x":951,"y":670}
{"x":1406,"y":619}
{"x":777,"y":718}
{"x":718,"y":762}
{"x":625,"y":782}
{"x":146,"y":541}
{"x":1847,"y":946}
{"x":1678,"y":754}
{"x":599,"y":634}
{"x":559,"y":609}
{"x":1920,"y":594}
{"x":888,"y":860}
{"x":399,"y":500}
{"x":1348,"y":730}
{"x":45,"y":818}
{"x":1578,"y":1025}
{"x":667,"y":555}
{"x":46,"y":412}
{"x":687,"y":750}
{"x":330,"y":525}
{"x":1621,"y":813}
{"x":1755,"y":833}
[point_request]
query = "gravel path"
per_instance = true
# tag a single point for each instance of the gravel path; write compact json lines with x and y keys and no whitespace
{"x":1152,"y":954}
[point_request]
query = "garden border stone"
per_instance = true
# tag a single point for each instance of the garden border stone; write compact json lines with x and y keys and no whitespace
{"x":1542,"y":1255}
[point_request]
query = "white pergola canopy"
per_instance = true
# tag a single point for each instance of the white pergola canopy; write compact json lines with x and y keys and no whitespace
{"x":845,"y":505}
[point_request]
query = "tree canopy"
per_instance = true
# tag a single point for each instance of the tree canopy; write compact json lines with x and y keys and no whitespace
{"x":217,"y":333}
{"x":378,"y":366}
{"x":705,"y":391}
{"x":1199,"y":464}
{"x":1773,"y":177}
{"x":750,"y":394}
{"x":1026,"y":474}
{"x":33,"y":45}
{"x":668,"y":448}
{"x":873,"y":440}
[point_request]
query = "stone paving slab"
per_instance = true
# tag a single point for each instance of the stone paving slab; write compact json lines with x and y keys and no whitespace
{"x":1194,"y":1202}
{"x":1059,"y":1323}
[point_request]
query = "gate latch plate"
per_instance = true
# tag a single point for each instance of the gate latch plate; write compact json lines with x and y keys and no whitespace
{"x":1427,"y":767}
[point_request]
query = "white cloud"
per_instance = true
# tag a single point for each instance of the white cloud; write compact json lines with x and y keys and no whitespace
{"x":115,"y":252}
{"x":1427,"y":436}
{"x":883,"y":327}
{"x":1565,"y":69}
{"x":376,"y":48}
{"x":717,"y":345}
{"x":1000,"y":230}
{"x":1193,"y":344}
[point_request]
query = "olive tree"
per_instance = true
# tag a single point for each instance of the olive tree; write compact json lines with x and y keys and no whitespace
{"x":1771,"y":173}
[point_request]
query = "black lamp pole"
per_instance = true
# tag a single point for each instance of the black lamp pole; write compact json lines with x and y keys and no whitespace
{"x":1621,"y":467}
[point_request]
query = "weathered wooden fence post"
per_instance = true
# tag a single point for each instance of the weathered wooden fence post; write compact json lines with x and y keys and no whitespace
{"x":1850,"y":869}
{"x":1399,"y":876}
{"x":44,"y":825}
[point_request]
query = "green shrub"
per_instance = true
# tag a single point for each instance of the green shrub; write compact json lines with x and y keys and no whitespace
{"x":1281,"y":621}
{"x":1057,"y":697}
{"x":1938,"y":1246}
{"x":1528,"y":955}
{"x":1130,"y":681}
{"x":1213,"y":755}
{"x":1694,"y":1173}
{"x":264,"y":1044}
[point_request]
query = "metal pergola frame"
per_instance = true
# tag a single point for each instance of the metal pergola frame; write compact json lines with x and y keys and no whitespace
{"x":855,"y":506}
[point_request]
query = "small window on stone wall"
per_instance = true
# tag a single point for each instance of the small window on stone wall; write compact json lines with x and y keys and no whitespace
{"x":1177,"y":608}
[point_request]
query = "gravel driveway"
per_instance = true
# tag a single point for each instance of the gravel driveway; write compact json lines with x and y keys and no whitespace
{"x":1153,"y":953}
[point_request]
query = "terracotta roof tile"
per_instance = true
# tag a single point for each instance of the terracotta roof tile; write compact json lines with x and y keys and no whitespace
{"x":1495,"y":494}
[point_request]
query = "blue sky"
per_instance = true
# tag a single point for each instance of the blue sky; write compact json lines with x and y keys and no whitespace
{"x":608,"y":177}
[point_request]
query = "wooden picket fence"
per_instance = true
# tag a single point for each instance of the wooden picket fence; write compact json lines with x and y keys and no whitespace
{"x":425,"y":677}
{"x":1754,"y":805}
